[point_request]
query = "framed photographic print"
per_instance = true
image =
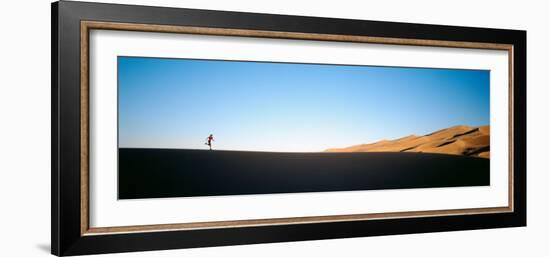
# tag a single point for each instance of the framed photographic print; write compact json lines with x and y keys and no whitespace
{"x":178,"y":128}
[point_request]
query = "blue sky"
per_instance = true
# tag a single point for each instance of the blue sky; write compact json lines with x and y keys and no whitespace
{"x":285,"y":107}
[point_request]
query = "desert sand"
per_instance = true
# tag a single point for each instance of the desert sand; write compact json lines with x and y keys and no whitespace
{"x":457,"y":140}
{"x":156,"y":173}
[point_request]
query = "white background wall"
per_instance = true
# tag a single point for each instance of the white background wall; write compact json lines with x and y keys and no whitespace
{"x":25,"y":127}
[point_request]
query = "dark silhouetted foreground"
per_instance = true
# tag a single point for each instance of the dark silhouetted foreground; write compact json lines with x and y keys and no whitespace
{"x":151,"y":173}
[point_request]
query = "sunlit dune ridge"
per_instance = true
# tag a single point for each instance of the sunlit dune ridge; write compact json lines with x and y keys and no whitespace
{"x":457,"y":140}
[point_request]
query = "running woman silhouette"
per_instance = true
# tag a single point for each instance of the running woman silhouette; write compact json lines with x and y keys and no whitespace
{"x":209,"y":140}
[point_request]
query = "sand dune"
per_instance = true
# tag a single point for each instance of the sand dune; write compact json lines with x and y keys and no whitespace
{"x":457,"y":140}
{"x":155,"y":173}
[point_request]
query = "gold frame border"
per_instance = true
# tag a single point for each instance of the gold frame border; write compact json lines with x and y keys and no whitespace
{"x":86,"y":26}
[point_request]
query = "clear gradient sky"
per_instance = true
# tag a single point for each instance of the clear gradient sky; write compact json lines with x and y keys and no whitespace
{"x":258,"y":106}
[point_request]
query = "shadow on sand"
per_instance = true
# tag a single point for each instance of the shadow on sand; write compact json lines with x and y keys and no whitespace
{"x":152,"y":173}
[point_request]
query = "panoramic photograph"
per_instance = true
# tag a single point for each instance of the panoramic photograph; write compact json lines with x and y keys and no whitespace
{"x":192,"y":127}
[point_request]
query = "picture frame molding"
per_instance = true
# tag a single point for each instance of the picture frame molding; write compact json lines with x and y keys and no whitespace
{"x":86,"y":26}
{"x":71,"y":23}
